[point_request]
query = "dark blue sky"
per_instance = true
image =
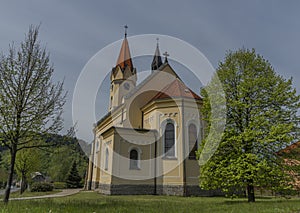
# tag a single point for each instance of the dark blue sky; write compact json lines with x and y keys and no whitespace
{"x":74,"y":31}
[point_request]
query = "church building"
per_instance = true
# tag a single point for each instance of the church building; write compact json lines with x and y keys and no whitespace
{"x":147,"y":141}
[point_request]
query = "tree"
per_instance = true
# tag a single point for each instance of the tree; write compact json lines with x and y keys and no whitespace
{"x":261,"y":119}
{"x":73,"y":179}
{"x":27,"y":162}
{"x":30,"y":103}
{"x":3,"y":169}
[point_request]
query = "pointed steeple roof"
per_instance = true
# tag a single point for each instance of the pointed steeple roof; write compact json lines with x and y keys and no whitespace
{"x":157,"y":62}
{"x":124,"y":58}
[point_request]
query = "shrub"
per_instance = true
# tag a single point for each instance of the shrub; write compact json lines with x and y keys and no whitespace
{"x":59,"y":185}
{"x":41,"y":187}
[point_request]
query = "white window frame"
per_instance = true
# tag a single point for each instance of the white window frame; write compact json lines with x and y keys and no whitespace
{"x":139,"y":152}
{"x":198,"y":128}
{"x":163,"y":127}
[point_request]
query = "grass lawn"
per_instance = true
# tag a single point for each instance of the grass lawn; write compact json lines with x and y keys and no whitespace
{"x":30,"y":194}
{"x":93,"y":202}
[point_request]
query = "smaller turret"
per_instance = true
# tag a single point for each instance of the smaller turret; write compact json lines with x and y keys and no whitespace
{"x":157,"y":62}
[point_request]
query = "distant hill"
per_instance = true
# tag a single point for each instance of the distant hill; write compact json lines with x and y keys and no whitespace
{"x":86,"y":147}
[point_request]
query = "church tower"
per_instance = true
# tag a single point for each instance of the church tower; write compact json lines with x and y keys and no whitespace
{"x":123,"y":76}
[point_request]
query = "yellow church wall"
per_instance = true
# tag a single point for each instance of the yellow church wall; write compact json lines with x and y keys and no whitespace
{"x":155,"y":117}
{"x":107,"y":143}
{"x":193,"y":172}
{"x":115,"y":119}
{"x":144,"y":144}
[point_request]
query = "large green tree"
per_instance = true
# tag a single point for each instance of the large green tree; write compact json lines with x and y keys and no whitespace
{"x":261,"y":119}
{"x":31,"y":104}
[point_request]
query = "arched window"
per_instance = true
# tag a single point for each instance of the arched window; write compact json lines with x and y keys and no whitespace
{"x":193,"y":141}
{"x":169,"y":138}
{"x":106,"y":159}
{"x":134,"y":159}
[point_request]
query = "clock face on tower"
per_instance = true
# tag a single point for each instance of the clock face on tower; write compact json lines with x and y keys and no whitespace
{"x":126,"y":86}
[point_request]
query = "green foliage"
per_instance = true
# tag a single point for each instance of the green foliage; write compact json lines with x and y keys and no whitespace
{"x":4,"y":165}
{"x":58,"y":161}
{"x":27,"y":162}
{"x":59,"y":185}
{"x":52,"y":161}
{"x":261,"y":119}
{"x":41,"y":187}
{"x":74,"y":179}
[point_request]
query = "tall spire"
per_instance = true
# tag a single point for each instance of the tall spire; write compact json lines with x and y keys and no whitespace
{"x":126,"y":27}
{"x":124,"y":58}
{"x":157,"y":62}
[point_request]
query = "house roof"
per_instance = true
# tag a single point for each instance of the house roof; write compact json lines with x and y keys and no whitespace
{"x":176,"y":89}
{"x":290,"y":148}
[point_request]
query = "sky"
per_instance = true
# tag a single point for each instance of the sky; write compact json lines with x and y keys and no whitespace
{"x":74,"y":31}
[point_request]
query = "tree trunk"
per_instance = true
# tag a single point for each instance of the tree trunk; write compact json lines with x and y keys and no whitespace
{"x":23,"y":184}
{"x":13,"y":153}
{"x":250,"y":192}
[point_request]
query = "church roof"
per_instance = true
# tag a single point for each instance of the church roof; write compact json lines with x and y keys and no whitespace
{"x":124,"y":58}
{"x":176,"y":89}
{"x":148,"y":78}
{"x":295,"y":147}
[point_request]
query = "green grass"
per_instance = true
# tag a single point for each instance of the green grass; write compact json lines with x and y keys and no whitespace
{"x":30,"y":194}
{"x":93,"y":202}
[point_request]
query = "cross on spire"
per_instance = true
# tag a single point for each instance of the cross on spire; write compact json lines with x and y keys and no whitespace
{"x":166,"y":55}
{"x":126,"y":27}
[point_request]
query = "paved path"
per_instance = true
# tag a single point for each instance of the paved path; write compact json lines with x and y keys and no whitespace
{"x":65,"y":192}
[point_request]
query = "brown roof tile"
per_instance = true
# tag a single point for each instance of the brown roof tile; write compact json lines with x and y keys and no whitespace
{"x":290,"y":148}
{"x":176,"y":89}
{"x":124,"y":58}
